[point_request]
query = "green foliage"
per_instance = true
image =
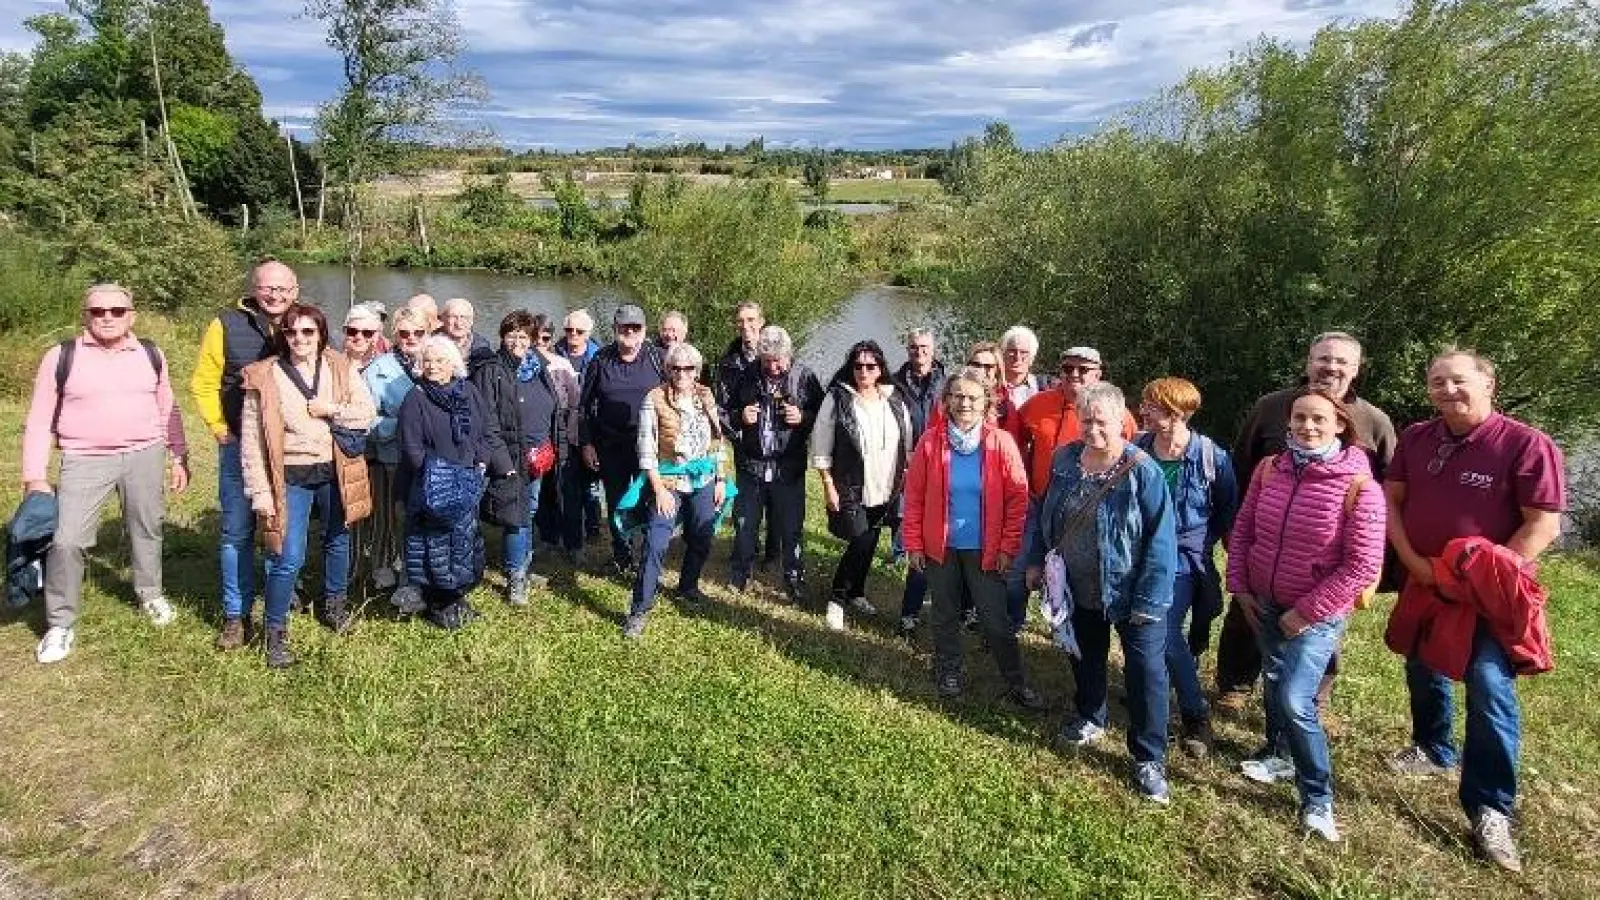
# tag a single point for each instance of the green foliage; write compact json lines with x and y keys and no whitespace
{"x":715,"y":247}
{"x":815,"y":175}
{"x":488,"y":202}
{"x":1417,"y":182}
{"x":578,"y":219}
{"x":40,"y":290}
{"x":203,"y":138}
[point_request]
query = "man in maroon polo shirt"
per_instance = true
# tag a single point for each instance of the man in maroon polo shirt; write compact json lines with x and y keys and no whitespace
{"x":1471,"y":472}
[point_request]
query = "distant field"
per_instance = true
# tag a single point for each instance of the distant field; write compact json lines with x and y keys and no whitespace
{"x":871,"y":190}
{"x":527,"y":184}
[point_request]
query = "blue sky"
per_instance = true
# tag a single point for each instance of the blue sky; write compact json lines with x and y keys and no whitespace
{"x":572,"y":74}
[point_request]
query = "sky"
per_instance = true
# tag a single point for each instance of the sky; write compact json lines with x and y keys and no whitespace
{"x":867,"y":74}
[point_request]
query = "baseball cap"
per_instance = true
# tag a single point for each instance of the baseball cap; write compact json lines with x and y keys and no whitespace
{"x":1087,"y":354}
{"x":361,"y":312}
{"x":628,"y":314}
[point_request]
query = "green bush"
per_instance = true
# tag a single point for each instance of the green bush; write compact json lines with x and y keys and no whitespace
{"x":41,"y":291}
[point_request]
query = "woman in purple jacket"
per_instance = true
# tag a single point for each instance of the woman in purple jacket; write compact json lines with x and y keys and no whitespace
{"x":1306,"y":544}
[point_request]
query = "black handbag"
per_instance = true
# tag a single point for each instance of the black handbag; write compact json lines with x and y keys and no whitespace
{"x":352,"y":442}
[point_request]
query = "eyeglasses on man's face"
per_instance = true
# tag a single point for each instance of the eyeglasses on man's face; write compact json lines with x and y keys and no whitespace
{"x":107,"y":312}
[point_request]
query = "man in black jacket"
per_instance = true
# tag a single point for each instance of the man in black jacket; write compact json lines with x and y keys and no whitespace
{"x":772,"y":407}
{"x":739,"y":358}
{"x":614,"y":385}
{"x":919,"y":381}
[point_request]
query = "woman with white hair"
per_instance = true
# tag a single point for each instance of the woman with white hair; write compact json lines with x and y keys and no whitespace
{"x":448,"y":441}
{"x":681,"y":480}
{"x":1108,"y":523}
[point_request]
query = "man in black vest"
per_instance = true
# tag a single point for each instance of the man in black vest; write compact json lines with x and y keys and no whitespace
{"x":236,"y":338}
{"x":773,"y":406}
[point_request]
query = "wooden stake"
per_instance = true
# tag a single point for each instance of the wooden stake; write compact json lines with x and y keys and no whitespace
{"x":299,"y":201}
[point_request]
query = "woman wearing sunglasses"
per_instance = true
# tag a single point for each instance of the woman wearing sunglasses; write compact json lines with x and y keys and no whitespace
{"x":680,"y":481}
{"x":292,"y":402}
{"x":861,"y":445}
{"x":390,"y":378}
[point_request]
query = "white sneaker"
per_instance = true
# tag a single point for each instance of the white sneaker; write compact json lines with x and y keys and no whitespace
{"x":159,"y":611}
{"x":1318,"y":820}
{"x":1491,"y":831}
{"x":56,"y":645}
{"x":1267,"y":769}
{"x":860,"y":605}
{"x":835,"y":616}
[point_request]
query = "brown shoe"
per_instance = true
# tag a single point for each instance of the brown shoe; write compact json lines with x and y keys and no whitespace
{"x":232,"y":635}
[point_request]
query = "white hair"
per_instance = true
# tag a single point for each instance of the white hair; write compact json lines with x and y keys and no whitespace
{"x":447,"y":348}
{"x":109,"y":287}
{"x":684,"y":353}
{"x":580,"y":318}
{"x":774,"y":343}
{"x":1101,"y":393}
{"x":458,"y":303}
{"x":1021,"y":337}
{"x":674,"y":314}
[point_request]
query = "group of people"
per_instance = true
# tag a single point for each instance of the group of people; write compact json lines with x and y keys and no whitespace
{"x":994,"y":481}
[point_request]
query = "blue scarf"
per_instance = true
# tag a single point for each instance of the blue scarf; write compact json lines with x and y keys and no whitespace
{"x":964,"y":442}
{"x":530,"y":366}
{"x":452,"y":398}
{"x":1304,"y":456}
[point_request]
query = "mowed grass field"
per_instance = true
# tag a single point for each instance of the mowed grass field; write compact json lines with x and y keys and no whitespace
{"x":743,"y":751}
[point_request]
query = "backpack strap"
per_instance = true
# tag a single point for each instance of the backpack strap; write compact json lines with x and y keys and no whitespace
{"x":69,"y":350}
{"x":1208,"y":460}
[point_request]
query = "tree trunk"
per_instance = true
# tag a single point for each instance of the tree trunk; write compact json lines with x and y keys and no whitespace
{"x":299,"y":200}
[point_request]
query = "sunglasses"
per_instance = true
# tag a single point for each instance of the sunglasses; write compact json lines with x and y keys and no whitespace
{"x":308,"y":331}
{"x":629,"y":329}
{"x":1446,"y":450}
{"x":544,"y":335}
{"x":359,"y":332}
{"x":990,"y":367}
{"x":1077,"y":370}
{"x":576,"y":330}
{"x":114,"y":312}
{"x":866,"y":367}
{"x":685,"y":368}
{"x":403,"y":333}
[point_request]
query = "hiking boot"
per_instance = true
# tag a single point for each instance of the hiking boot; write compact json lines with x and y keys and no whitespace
{"x":335,"y":614}
{"x":907,"y":629}
{"x":1080,"y":732}
{"x":517,"y":591}
{"x":1150,"y":780}
{"x":159,"y":611}
{"x":1415,"y":762}
{"x":384,"y":578}
{"x":1491,"y":832}
{"x":231,"y":637}
{"x":1026,"y":697}
{"x":278,"y":655}
{"x":794,"y":591}
{"x":863,"y":606}
{"x":834,"y":617}
{"x":1197,"y":739}
{"x":55,"y":646}
{"x":1265,"y":766}
{"x":633,"y":628}
{"x":690,"y":600}
{"x":408,"y":601}
{"x":450,"y":618}
{"x":1318,"y":820}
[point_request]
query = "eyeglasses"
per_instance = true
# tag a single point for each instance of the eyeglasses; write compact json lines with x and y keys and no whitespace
{"x":988,"y":367}
{"x":406,"y":334}
{"x":576,"y":330}
{"x":277,"y":288}
{"x":866,"y":367}
{"x":359,"y":332}
{"x":1070,"y":369}
{"x":629,"y":329}
{"x":102,"y":312}
{"x":544,"y":336}
{"x":308,"y":331}
{"x":1446,"y":450}
{"x":1016,"y":351}
{"x":685,"y":368}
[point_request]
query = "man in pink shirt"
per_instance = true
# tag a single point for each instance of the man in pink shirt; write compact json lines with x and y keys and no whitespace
{"x":115,"y":421}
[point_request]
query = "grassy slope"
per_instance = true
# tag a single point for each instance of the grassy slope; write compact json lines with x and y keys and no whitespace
{"x":743,"y":752}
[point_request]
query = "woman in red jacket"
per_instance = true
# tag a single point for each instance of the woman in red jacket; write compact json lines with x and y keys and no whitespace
{"x":966,"y":499}
{"x":1306,"y":544}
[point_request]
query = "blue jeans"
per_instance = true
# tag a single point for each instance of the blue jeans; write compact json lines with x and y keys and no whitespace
{"x":1291,"y":672}
{"x":697,"y":512}
{"x":1016,"y":582}
{"x":1494,"y":724}
{"x":238,"y":521}
{"x":782,"y":503}
{"x":1182,"y":669}
{"x":1144,"y":675}
{"x":283,"y":568}
{"x":517,"y":544}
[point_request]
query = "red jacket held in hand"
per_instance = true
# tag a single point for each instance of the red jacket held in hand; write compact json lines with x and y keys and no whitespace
{"x":1476,"y":579}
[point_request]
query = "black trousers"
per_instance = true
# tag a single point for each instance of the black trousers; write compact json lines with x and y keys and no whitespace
{"x":850,"y":578}
{"x":781,"y":503}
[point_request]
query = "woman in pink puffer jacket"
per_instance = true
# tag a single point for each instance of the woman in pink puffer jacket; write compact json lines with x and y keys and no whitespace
{"x":1299,"y":557}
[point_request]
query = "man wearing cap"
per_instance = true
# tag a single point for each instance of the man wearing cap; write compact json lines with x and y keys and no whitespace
{"x":1049,"y":420}
{"x":614,"y":386}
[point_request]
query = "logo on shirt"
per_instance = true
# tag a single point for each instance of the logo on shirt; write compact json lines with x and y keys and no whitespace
{"x":1480,"y":480}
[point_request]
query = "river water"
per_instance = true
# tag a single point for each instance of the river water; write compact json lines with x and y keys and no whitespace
{"x":879,"y":312}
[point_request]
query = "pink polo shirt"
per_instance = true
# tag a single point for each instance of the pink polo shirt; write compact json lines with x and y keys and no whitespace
{"x":113,"y":403}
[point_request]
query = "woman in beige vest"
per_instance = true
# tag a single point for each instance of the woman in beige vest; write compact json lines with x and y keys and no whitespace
{"x":680,"y":462}
{"x":292,"y":402}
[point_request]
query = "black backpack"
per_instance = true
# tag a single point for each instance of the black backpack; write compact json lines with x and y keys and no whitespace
{"x":69,"y":349}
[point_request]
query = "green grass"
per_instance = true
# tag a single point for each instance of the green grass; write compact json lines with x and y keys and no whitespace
{"x":872,"y":190}
{"x":742,"y":752}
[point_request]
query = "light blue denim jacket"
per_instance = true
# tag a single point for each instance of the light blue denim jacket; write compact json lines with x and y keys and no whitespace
{"x":1138,"y":537}
{"x":389,"y":384}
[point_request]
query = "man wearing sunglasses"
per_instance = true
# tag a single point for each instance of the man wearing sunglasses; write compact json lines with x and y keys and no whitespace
{"x":1332,"y":364}
{"x":109,"y":407}
{"x":1471,"y":472}
{"x":614,"y":387}
{"x":236,"y":338}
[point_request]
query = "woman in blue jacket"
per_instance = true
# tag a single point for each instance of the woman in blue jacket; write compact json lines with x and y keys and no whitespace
{"x":1205,"y":497}
{"x":1107,"y":522}
{"x":448,"y":442}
